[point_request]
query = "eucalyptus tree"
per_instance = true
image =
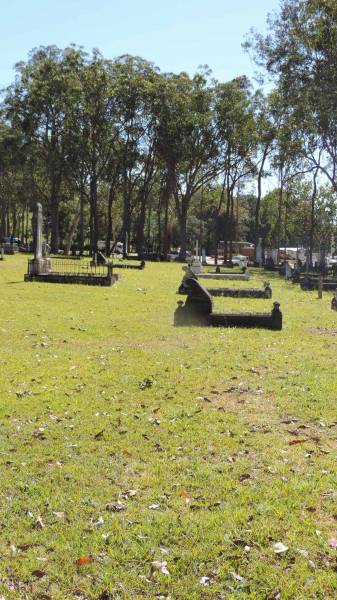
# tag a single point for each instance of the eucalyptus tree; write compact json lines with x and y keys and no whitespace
{"x":97,"y":144}
{"x":266,"y":132}
{"x":136,"y":84}
{"x":187,"y":141}
{"x":300,"y":54}
{"x":236,"y":126}
{"x":15,"y":183}
{"x":40,"y":104}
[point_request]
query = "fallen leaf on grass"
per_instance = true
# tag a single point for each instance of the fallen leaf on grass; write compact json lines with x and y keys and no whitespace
{"x":39,"y":524}
{"x":39,"y":434}
{"x":296,"y":441}
{"x":184,"y":494}
{"x":83,"y":560}
{"x":244,"y":477}
{"x":204,"y":580}
{"x":154,"y":506}
{"x":38,"y":573}
{"x":117,"y":507}
{"x":146,"y":383}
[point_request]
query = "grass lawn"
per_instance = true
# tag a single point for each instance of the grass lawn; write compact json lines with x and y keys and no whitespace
{"x":139,"y":460}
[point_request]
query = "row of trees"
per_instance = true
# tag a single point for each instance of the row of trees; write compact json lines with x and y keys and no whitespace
{"x":117,"y":150}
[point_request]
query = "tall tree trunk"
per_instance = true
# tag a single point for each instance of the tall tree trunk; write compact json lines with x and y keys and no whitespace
{"x":165,"y":201}
{"x":312,"y":217}
{"x":231,"y":235}
{"x":182,"y":219}
{"x":141,"y":223}
{"x":227,"y":222}
{"x":126,"y":214}
{"x":81,"y":221}
{"x":279,"y":218}
{"x":258,"y":200}
{"x":27,"y":224}
{"x":14,"y":220}
{"x":54,"y":215}
{"x":72,"y":230}
{"x":94,"y":214}
{"x":148,"y":236}
{"x":55,"y":212}
{"x":109,"y":228}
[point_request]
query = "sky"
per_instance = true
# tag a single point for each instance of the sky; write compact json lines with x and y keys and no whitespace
{"x":175,"y":35}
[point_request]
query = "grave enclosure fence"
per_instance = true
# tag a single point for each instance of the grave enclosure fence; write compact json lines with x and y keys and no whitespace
{"x":72,"y":271}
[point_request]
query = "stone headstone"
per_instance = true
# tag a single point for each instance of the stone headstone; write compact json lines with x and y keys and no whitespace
{"x":195,"y":266}
{"x":334,"y":302}
{"x":289,"y":270}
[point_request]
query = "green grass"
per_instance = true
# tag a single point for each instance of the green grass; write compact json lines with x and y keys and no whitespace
{"x":100,"y":394}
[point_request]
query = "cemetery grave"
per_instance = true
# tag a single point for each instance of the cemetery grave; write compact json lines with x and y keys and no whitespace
{"x":237,"y":292}
{"x":311,"y":282}
{"x":195,"y":268}
{"x":198,"y":310}
{"x":64,"y":270}
{"x":126,"y":441}
{"x":101,"y":259}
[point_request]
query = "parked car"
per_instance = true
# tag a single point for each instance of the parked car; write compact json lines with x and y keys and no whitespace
{"x":240,"y":260}
{"x":11,"y":240}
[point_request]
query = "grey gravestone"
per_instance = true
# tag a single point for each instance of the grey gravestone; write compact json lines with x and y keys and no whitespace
{"x":334,"y":302}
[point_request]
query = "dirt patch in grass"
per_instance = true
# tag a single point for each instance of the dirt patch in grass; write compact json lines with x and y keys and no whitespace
{"x":323,"y":331}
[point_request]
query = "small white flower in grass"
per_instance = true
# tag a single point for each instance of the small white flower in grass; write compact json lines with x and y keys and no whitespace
{"x":237,"y":577}
{"x":160,"y":565}
{"x":332,"y":542}
{"x":280,"y":548}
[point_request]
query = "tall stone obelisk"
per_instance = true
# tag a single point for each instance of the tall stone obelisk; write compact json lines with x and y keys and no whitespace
{"x":39,"y":264}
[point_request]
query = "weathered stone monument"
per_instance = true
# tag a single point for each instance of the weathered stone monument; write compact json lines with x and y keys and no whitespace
{"x":40,"y":264}
{"x":41,"y":268}
{"x":288,"y":270}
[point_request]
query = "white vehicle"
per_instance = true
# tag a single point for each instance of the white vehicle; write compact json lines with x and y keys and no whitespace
{"x":240,"y":260}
